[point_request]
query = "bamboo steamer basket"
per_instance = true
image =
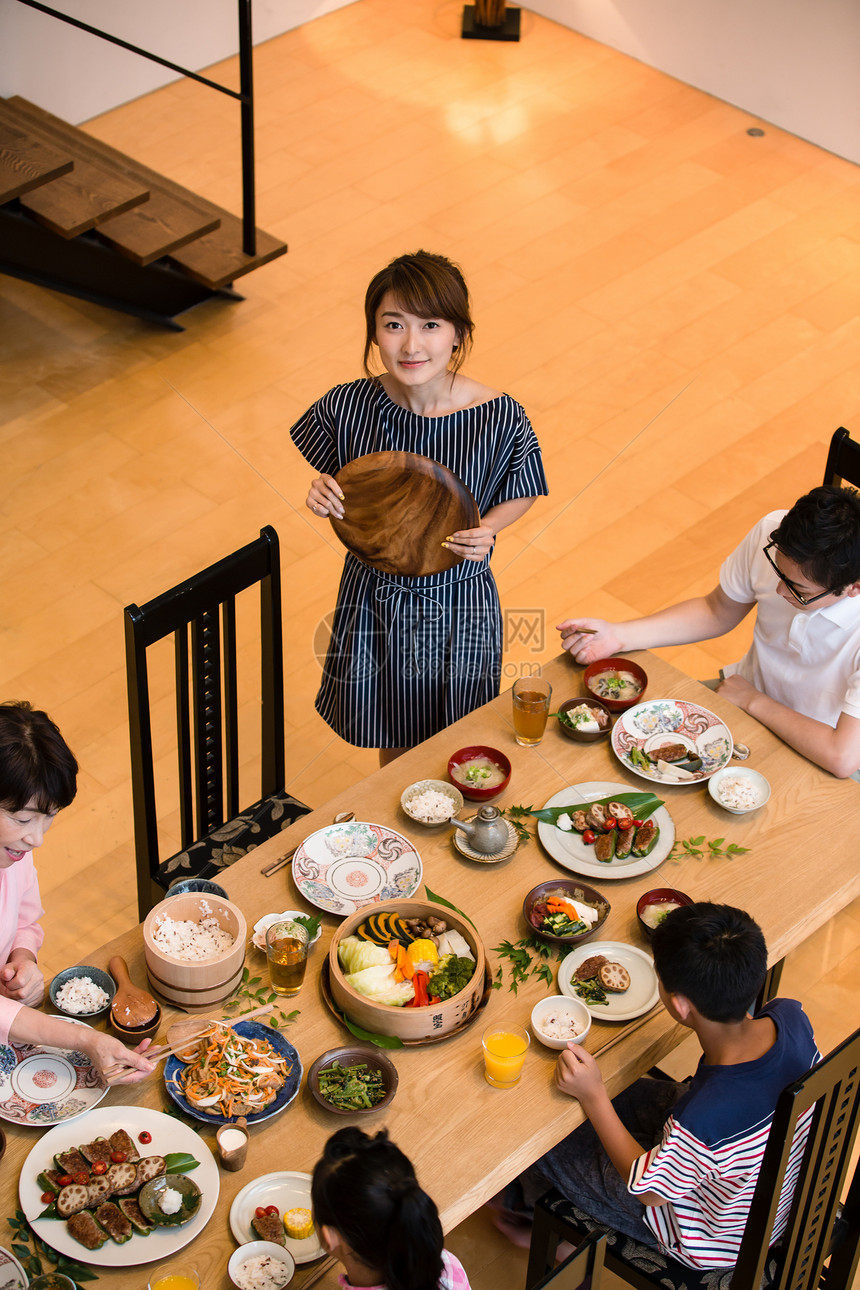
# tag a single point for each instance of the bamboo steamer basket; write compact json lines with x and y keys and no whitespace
{"x":408,"y":1023}
{"x":199,"y":983}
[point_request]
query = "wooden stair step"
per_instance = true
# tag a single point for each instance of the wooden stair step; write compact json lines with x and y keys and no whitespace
{"x":26,"y":162}
{"x":171,"y":218}
{"x":218,"y":259}
{"x":78,"y":200}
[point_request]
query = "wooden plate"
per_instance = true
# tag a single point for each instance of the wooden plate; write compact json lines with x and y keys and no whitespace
{"x":399,"y":508}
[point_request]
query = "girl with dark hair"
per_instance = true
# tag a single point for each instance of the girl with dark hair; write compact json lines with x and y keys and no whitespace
{"x":373,"y":1216}
{"x":38,"y":778}
{"x":410,"y":655}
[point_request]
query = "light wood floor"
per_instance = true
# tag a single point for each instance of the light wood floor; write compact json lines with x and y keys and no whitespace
{"x":672,"y":300}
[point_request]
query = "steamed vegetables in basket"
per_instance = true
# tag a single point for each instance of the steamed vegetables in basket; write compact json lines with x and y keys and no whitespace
{"x":406,"y":962}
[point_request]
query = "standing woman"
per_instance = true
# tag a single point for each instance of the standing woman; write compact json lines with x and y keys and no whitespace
{"x":410,"y":655}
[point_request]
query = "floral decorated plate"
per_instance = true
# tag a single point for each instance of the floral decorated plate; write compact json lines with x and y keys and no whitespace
{"x":347,"y":866}
{"x":641,"y":731}
{"x":43,"y":1086}
{"x":12,"y":1275}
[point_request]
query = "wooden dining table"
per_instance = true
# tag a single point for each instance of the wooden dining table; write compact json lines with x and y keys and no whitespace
{"x":466,"y":1138}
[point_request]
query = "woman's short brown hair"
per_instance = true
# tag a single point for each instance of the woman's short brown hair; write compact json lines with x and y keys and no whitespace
{"x":429,"y":286}
{"x":36,"y":764}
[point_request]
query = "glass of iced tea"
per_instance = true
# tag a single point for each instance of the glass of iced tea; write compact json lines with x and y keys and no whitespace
{"x":287,"y":952}
{"x":532,"y":696}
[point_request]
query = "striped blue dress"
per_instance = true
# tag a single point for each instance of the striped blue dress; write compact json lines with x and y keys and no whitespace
{"x":408,"y":656}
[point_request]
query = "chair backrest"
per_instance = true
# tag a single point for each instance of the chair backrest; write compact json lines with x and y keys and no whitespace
{"x":201,"y":615}
{"x":585,"y":1264}
{"x":843,"y":459}
{"x":829,"y":1095}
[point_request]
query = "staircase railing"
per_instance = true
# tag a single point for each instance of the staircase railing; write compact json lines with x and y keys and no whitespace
{"x":245,"y":96}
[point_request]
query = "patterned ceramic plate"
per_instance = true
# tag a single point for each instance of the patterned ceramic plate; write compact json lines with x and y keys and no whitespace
{"x":672,"y":721}
{"x":346,"y":866}
{"x":12,"y":1275}
{"x":42,"y":1086}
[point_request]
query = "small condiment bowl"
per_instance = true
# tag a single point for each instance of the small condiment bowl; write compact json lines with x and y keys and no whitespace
{"x":254,"y":1248}
{"x":149,"y":1198}
{"x":133,"y":1034}
{"x":259,"y":936}
{"x":658,"y":896}
{"x":436,"y":786}
{"x":584,"y":736}
{"x":753,"y":777}
{"x":194,"y":885}
{"x":354,"y":1055}
{"x":570,"y":1007}
{"x":616,"y":665}
{"x":570,"y":889}
{"x":98,"y":977}
{"x":473,"y":793}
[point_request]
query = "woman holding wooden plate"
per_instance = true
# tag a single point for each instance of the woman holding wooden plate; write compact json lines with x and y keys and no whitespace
{"x":420,"y":468}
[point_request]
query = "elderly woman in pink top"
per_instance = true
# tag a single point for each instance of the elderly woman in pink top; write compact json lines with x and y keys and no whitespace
{"x":38,"y":777}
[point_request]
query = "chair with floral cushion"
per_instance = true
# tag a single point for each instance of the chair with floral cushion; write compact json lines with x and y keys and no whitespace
{"x":200,"y":615}
{"x":818,"y":1227}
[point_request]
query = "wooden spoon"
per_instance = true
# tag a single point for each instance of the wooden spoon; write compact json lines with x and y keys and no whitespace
{"x":131,"y":1006}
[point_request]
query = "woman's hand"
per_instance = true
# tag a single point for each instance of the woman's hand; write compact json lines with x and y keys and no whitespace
{"x":23,"y":982}
{"x":472,"y":544}
{"x":325,"y":498}
{"x":105,"y":1051}
{"x":600,"y":641}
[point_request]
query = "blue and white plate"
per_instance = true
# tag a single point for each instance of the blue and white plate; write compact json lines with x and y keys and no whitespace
{"x":344,"y":867}
{"x":248,"y":1030}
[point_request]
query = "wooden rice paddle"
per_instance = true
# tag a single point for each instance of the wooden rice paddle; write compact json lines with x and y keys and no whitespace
{"x":131,"y":1007}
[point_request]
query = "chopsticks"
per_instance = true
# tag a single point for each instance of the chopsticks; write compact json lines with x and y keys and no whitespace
{"x":161,"y":1051}
{"x":319,"y":1272}
{"x":268,"y":869}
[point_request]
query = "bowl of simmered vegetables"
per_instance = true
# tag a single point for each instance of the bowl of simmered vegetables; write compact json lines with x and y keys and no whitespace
{"x":584,"y":719}
{"x":355,"y":1079}
{"x":565,"y":911}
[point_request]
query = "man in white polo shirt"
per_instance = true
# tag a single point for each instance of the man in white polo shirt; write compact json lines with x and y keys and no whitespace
{"x":800,"y":570}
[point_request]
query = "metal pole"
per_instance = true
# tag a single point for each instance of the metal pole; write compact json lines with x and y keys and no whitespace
{"x":246,"y":86}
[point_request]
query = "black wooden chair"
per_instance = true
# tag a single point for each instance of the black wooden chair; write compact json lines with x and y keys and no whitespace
{"x":214,"y":832}
{"x":817,"y":1226}
{"x":843,"y":460}
{"x":584,"y":1267}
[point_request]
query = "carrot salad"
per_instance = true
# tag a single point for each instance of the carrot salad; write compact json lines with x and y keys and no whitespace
{"x":231,"y":1075}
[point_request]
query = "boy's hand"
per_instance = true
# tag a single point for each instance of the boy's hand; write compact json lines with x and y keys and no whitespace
{"x":23,"y":982}
{"x":737,"y":691}
{"x":578,"y":1075}
{"x":601,"y":641}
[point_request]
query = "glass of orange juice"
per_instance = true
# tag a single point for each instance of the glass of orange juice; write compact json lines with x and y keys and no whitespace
{"x":505,"y":1047}
{"x":531,"y":695}
{"x":175,"y":1276}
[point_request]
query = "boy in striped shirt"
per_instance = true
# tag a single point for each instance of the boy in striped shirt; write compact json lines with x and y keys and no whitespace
{"x":689,"y":1192}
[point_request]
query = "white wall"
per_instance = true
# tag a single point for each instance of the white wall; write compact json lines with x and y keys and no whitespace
{"x":76,"y":76}
{"x":794,"y":63}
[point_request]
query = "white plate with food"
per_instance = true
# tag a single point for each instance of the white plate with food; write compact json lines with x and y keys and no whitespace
{"x":167,"y":1136}
{"x":40,"y":1086}
{"x":344,"y":867}
{"x":12,"y":1275}
{"x":570,"y":850}
{"x":286,"y":1191}
{"x":635,"y":966}
{"x":654,"y":737}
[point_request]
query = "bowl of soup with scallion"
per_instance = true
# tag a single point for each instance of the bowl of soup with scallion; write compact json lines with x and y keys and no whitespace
{"x":657,"y":904}
{"x":617,"y":682}
{"x":480,"y":773}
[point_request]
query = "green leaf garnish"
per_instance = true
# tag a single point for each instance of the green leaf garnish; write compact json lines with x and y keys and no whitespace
{"x":180,"y":1162}
{"x":440,"y":900}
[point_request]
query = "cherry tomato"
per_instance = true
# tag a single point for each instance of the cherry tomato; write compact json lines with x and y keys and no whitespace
{"x":144,"y":1137}
{"x":119,"y":1157}
{"x":260,"y":1212}
{"x":637,"y":824}
{"x":610,"y":823}
{"x":273,"y":1211}
{"x":589,"y":836}
{"x":100,"y":1167}
{"x":624,"y":825}
{"x":65,"y":1180}
{"x":47,"y":1197}
{"x":81,"y":1179}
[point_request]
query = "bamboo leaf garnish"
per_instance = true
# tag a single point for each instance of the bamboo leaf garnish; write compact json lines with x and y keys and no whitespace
{"x":440,"y":900}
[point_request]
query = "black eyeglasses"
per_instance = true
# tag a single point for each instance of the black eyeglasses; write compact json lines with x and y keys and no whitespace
{"x":801,"y":599}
